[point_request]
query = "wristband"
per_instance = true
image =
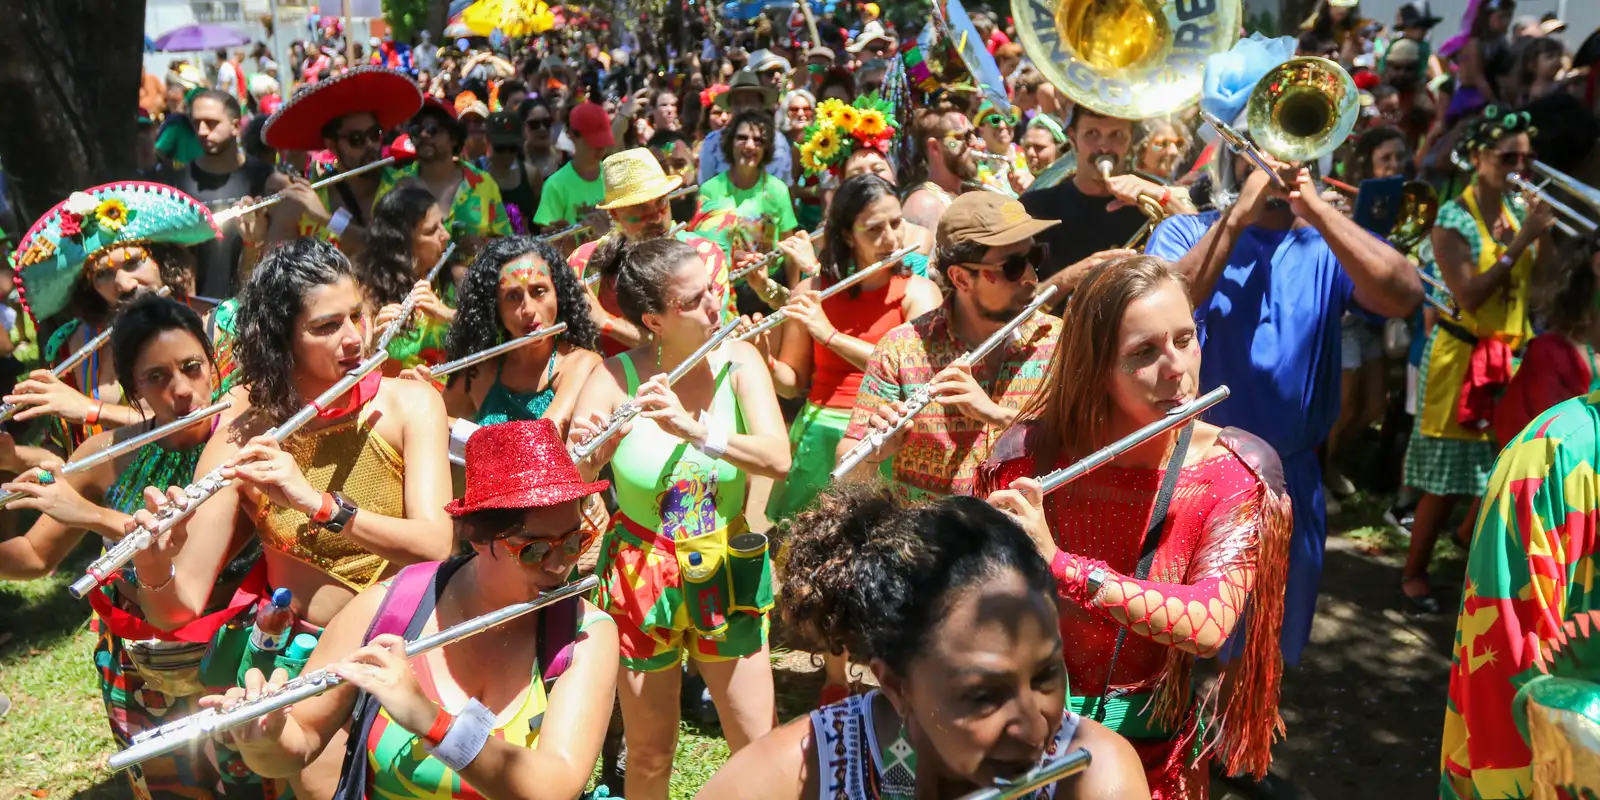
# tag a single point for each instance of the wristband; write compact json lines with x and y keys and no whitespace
{"x":716,"y":443}
{"x":606,"y":327}
{"x":828,"y":342}
{"x":440,"y":728}
{"x":1165,"y":197}
{"x":466,"y":737}
{"x":324,"y":513}
{"x":93,"y":417}
{"x":339,"y":221}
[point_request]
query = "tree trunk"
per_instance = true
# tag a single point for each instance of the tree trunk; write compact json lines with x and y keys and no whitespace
{"x":437,"y":18}
{"x":69,"y":84}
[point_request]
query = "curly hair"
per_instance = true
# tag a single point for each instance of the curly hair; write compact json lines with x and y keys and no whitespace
{"x":1360,"y":165}
{"x":268,"y":309}
{"x":865,"y":574}
{"x":1563,"y":300}
{"x":762,"y":122}
{"x":144,"y":319}
{"x":838,"y":250}
{"x":386,"y":266}
{"x":174,"y":262}
{"x":478,"y":325}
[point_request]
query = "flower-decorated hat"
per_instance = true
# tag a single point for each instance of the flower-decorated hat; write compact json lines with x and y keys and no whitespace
{"x":54,"y":250}
{"x":389,"y":95}
{"x":840,"y":130}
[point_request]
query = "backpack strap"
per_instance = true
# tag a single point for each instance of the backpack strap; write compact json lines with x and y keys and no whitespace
{"x":558,"y":634}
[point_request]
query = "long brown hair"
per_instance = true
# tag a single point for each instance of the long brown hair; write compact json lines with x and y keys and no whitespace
{"x":1070,"y":412}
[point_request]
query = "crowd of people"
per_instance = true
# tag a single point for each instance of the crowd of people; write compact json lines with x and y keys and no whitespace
{"x":830,"y":308}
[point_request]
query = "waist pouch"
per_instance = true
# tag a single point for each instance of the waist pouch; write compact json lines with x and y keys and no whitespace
{"x":721,"y":572}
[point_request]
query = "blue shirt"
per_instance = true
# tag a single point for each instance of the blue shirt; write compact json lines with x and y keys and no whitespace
{"x":1270,"y":330}
{"x":713,"y":164}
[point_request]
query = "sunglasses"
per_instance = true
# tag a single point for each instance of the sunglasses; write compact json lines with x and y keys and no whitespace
{"x":361,"y":138}
{"x":1016,"y":265}
{"x":533,"y":552}
{"x":995,"y":120}
{"x":1516,"y":159}
{"x":538,"y":124}
{"x":419,"y":130}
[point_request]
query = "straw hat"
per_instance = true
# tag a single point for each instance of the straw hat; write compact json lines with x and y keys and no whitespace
{"x":632,"y":177}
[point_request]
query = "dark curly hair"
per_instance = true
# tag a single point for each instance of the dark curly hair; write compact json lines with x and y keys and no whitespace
{"x":863,"y":573}
{"x":144,"y":319}
{"x":838,"y":248}
{"x":174,"y":261}
{"x":763,"y":122}
{"x":641,"y":269}
{"x":478,"y":326}
{"x":386,"y":267}
{"x":268,"y":308}
{"x":1563,"y":300}
{"x":1360,"y":165}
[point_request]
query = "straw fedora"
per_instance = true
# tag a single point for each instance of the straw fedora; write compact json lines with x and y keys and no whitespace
{"x":632,"y":177}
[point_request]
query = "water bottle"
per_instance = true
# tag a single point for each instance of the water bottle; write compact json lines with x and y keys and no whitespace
{"x":274,"y":622}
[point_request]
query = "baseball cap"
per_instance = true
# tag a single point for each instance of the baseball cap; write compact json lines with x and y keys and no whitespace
{"x":504,"y":127}
{"x":590,"y":122}
{"x":990,"y":219}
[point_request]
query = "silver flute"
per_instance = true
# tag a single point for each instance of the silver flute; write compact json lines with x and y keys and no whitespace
{"x":766,"y":261}
{"x":923,"y":397}
{"x":118,"y":555}
{"x":127,"y":446}
{"x":224,"y":217}
{"x":1071,"y":763}
{"x":627,"y":411}
{"x":202,"y":725}
{"x":504,"y":347}
{"x":776,"y":318}
{"x":1105,"y":455}
{"x":403,"y":318}
{"x":9,"y":410}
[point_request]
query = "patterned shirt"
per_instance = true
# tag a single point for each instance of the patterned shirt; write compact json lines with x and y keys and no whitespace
{"x":944,"y":448}
{"x":477,"y":209}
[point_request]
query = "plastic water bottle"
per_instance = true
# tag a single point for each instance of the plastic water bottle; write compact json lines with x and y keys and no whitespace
{"x":274,"y":621}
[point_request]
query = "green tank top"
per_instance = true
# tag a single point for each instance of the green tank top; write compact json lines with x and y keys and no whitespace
{"x":503,"y":405}
{"x":665,"y":484}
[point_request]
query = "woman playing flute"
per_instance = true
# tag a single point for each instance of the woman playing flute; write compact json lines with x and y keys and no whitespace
{"x":516,"y":286}
{"x":1128,"y":355}
{"x":406,"y":239}
{"x":956,"y":612}
{"x":165,"y":364}
{"x":356,"y":493}
{"x":682,"y":468}
{"x":539,"y":685}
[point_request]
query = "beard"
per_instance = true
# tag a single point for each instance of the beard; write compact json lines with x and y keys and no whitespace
{"x":1275,"y":203}
{"x":962,"y":164}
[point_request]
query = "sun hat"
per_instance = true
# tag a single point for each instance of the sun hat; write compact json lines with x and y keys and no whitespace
{"x":387,"y":94}
{"x":632,"y":177}
{"x":520,"y":464}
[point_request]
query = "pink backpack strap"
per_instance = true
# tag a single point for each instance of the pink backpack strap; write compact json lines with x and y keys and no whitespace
{"x":558,"y":634}
{"x":400,"y":603}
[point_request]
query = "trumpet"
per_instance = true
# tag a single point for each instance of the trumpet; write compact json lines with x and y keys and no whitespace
{"x":224,"y":217}
{"x":120,"y":554}
{"x":1071,"y":763}
{"x":766,"y":261}
{"x":1301,"y":110}
{"x":202,"y":725}
{"x":1099,"y":458}
{"x":504,"y":347}
{"x":129,"y":445}
{"x":9,"y":410}
{"x":627,"y":411}
{"x":1107,"y":164}
{"x":777,"y":317}
{"x":922,"y":398}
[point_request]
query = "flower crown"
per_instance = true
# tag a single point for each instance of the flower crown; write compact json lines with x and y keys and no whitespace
{"x":82,"y":215}
{"x":840,"y":130}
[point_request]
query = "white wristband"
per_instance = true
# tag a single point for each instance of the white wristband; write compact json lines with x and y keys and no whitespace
{"x":716,"y":443}
{"x":467,"y":735}
{"x":340,"y":221}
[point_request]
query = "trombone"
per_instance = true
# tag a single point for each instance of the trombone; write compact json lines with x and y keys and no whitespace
{"x":1575,"y":224}
{"x":1301,"y":110}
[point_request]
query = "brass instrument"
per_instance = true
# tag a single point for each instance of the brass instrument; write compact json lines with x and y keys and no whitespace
{"x":1301,"y":110}
{"x":1130,"y":59}
{"x":1151,"y":207}
{"x":1569,"y":220}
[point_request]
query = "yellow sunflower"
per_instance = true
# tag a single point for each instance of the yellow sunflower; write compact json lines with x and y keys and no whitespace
{"x":808,"y":159}
{"x":111,"y":214}
{"x":827,"y":142}
{"x":826,"y":108}
{"x":847,"y":117}
{"x":872,"y":123}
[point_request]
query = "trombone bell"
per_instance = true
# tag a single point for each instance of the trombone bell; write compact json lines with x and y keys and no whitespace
{"x":1303,"y":109}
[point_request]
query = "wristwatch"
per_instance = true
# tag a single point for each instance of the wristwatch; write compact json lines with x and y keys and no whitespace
{"x":1096,"y":577}
{"x":343,"y":511}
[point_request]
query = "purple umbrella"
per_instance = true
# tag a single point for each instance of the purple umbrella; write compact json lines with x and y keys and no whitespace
{"x":204,"y":36}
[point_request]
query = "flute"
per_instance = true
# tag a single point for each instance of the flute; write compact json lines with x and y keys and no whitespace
{"x":224,"y":217}
{"x":923,"y":397}
{"x":202,"y":725}
{"x":9,"y":410}
{"x":1071,"y":763}
{"x":767,"y":260}
{"x":410,"y":305}
{"x":127,"y":446}
{"x":504,"y":347}
{"x":777,"y":317}
{"x":627,"y":411}
{"x":118,"y":555}
{"x":1105,"y":455}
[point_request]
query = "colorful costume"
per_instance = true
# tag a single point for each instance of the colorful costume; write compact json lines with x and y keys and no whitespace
{"x":1531,"y":591}
{"x":668,"y":577}
{"x":944,"y":447}
{"x":835,"y":382}
{"x":476,"y":210}
{"x":1224,"y":543}
{"x":503,"y":405}
{"x":1467,"y":363}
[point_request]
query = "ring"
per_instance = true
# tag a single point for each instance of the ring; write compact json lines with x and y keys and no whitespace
{"x":46,"y":478}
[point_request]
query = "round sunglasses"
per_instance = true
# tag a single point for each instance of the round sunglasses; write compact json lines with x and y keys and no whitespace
{"x":533,"y":552}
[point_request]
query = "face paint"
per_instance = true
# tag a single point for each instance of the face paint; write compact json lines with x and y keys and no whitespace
{"x":523,"y":272}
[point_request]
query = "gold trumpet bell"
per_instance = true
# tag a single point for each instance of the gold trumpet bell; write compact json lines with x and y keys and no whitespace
{"x":1419,"y":208}
{"x":1303,"y":109}
{"x":1114,"y":34}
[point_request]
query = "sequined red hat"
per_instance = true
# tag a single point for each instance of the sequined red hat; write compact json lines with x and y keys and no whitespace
{"x":520,"y":465}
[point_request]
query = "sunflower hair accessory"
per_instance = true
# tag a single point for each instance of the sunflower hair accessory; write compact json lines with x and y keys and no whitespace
{"x":840,"y":130}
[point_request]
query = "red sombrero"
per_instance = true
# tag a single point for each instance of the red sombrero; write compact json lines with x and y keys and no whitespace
{"x":386,"y":93}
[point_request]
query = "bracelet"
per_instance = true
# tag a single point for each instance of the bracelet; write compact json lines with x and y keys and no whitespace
{"x":440,"y":728}
{"x":93,"y":417}
{"x":324,"y":513}
{"x":607,"y":326}
{"x":466,"y":737}
{"x":828,"y":342}
{"x":339,"y":222}
{"x":171,"y":574}
{"x":716,"y":444}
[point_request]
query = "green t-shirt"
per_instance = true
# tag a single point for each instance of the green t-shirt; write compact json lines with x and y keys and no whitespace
{"x":745,"y":219}
{"x":567,"y":196}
